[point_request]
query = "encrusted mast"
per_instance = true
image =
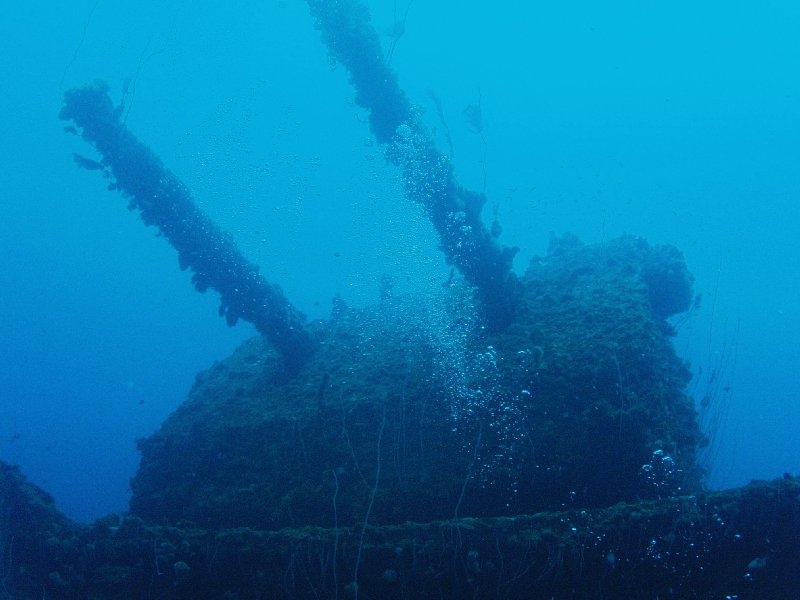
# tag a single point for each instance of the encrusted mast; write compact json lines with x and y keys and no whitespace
{"x":164,"y":201}
{"x":428,"y":174}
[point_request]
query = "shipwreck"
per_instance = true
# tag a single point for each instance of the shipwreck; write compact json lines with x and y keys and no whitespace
{"x":511,"y":436}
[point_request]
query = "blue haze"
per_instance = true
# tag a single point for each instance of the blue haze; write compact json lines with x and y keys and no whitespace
{"x":677,"y":121}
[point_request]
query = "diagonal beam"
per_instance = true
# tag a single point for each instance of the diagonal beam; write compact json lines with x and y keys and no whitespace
{"x":164,"y":201}
{"x":427,"y":173}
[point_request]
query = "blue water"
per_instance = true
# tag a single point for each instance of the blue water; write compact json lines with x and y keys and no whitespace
{"x":669,"y":120}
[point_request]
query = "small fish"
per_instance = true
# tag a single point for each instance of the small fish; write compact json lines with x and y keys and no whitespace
{"x":87,"y":163}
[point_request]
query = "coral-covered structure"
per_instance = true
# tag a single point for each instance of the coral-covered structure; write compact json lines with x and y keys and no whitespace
{"x":165,"y":202}
{"x":454,"y":211}
{"x":410,"y":410}
{"x":508,"y":437}
{"x":419,"y":455}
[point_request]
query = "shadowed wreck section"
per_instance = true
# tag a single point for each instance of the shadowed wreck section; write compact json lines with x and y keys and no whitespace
{"x":409,"y":411}
{"x":164,"y":201}
{"x":427,"y":173}
{"x":414,"y":452}
{"x":409,"y":459}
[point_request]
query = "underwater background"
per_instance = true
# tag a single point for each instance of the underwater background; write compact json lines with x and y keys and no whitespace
{"x":673,"y":121}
